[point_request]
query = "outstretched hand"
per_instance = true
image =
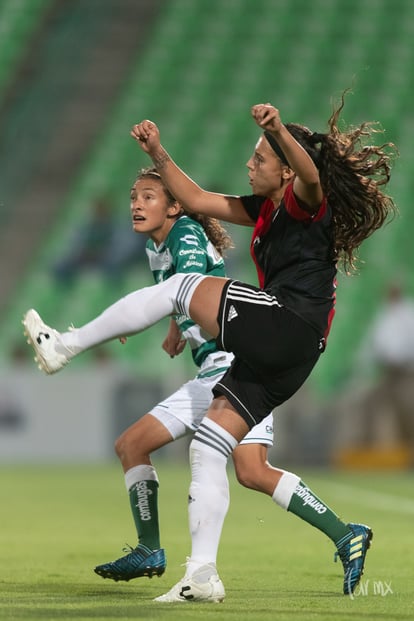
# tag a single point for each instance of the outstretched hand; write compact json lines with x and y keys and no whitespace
{"x":173,"y":347}
{"x":174,"y":342}
{"x":267,"y":117}
{"x":147,"y":135}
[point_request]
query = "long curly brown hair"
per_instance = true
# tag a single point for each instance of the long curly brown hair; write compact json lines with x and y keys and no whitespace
{"x":215,"y":232}
{"x":352,"y":172}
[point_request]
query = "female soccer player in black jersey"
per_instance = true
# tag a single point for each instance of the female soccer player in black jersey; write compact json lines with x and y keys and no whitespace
{"x":316,"y":197}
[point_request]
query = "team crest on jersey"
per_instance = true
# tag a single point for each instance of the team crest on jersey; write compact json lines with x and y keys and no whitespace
{"x":189,"y":239}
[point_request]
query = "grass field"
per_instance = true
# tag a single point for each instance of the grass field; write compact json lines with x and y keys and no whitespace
{"x":58,"y":522}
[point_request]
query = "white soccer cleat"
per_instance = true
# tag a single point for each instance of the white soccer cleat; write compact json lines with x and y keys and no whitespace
{"x":44,"y":339}
{"x":204,"y":585}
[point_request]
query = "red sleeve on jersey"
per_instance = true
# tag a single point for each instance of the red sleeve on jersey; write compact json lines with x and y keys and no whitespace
{"x":263,"y":223}
{"x":296,"y":211}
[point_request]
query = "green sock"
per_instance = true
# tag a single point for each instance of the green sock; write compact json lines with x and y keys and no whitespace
{"x":143,"y":497}
{"x":310,"y":508}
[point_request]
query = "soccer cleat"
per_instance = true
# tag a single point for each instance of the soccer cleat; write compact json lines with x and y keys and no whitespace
{"x":140,"y":561}
{"x":352,"y":550}
{"x":204,"y":585}
{"x":43,"y":339}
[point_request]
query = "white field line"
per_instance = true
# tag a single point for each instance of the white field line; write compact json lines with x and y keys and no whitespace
{"x":375,"y":500}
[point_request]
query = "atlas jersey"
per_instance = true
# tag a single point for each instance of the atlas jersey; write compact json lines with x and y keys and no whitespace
{"x":294,"y":256}
{"x":187,"y":249}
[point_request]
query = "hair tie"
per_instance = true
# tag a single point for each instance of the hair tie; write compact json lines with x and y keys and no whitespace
{"x":316,"y":138}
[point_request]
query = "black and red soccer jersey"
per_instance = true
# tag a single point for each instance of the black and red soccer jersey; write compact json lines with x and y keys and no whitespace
{"x":294,"y":257}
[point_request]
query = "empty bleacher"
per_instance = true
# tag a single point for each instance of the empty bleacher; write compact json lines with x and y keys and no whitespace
{"x":203,"y":66}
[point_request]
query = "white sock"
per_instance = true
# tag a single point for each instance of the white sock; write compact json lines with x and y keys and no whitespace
{"x":209,"y":491}
{"x":136,"y":474}
{"x":285,"y":488}
{"x":135,"y":312}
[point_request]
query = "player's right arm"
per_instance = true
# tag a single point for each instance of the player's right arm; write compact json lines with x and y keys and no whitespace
{"x":174,"y":343}
{"x":185,"y":190}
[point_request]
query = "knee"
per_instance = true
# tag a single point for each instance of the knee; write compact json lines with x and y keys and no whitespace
{"x":122,"y":445}
{"x":248,"y":477}
{"x":257,"y":474}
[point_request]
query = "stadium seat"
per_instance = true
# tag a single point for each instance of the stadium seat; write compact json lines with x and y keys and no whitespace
{"x":207,"y":62}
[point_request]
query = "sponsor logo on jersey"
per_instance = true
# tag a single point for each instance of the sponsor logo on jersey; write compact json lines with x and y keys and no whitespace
{"x":232,"y":314}
{"x":189,"y":239}
{"x":190,"y":251}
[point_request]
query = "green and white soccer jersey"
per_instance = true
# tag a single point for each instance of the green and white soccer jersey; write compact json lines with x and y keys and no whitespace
{"x":187,"y":249}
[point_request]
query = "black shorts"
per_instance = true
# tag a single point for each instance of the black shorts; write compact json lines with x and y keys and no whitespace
{"x":275,"y":351}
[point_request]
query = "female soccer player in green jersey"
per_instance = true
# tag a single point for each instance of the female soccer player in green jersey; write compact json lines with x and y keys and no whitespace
{"x":177,"y":243}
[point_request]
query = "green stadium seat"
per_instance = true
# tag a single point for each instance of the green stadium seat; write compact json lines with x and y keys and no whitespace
{"x":206,"y":63}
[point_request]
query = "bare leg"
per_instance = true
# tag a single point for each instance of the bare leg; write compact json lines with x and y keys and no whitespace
{"x":204,"y":305}
{"x":136,"y":444}
{"x":134,"y":448}
{"x":224,"y":414}
{"x":253,"y":470}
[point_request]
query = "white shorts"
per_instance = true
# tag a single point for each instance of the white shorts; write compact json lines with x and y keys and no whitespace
{"x":182,"y":412}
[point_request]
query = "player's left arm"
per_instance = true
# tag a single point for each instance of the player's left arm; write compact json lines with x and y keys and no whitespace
{"x":306,"y":184}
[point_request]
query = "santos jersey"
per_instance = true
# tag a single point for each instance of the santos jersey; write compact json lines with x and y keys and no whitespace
{"x":294,"y":257}
{"x":187,"y":249}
